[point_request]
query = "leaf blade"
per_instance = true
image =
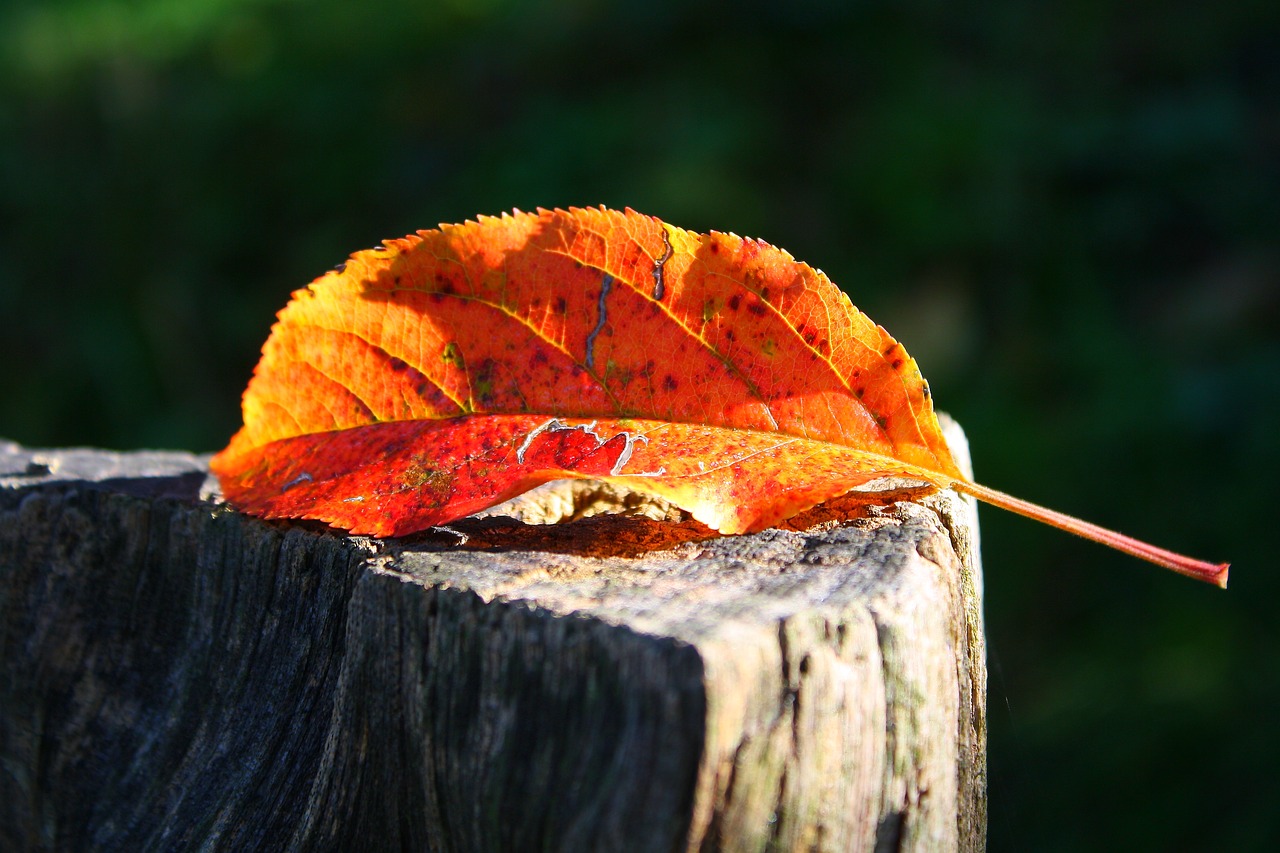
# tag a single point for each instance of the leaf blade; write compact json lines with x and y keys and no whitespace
{"x":555,"y":314}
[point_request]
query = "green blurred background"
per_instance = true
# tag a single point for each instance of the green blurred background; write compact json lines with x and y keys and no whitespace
{"x":1067,"y":212}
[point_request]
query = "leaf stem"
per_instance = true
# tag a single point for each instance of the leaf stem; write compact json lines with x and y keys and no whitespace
{"x":1214,"y":573}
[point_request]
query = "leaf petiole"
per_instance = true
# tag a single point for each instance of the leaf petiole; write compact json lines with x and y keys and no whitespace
{"x":1202,"y":570}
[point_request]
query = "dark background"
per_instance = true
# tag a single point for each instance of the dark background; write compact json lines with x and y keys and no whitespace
{"x":1068,"y":214}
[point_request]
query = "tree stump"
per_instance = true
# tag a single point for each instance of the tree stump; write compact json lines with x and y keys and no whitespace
{"x":175,"y":675}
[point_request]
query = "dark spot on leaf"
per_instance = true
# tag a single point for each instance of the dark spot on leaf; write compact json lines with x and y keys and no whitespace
{"x":890,"y":349}
{"x":417,"y":476}
{"x":561,"y":305}
{"x":881,"y":421}
{"x":670,"y":383}
{"x":764,"y":294}
{"x":896,"y":364}
{"x":735,"y":302}
{"x":398,"y":364}
{"x":482,"y":380}
{"x":730,"y":335}
{"x":757,"y":309}
{"x":858,"y":392}
{"x":715,"y":248}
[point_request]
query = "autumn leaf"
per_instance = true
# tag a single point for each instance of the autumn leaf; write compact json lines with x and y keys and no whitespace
{"x":445,"y":372}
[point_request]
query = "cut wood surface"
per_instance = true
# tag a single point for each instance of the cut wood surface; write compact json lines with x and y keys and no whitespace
{"x":175,"y":675}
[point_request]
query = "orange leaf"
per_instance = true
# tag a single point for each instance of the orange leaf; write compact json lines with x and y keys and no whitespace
{"x":452,"y":369}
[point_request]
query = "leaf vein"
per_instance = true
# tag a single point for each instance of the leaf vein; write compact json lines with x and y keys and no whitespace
{"x":462,"y":409}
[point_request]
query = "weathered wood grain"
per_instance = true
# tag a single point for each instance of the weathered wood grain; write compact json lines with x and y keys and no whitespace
{"x":174,"y":675}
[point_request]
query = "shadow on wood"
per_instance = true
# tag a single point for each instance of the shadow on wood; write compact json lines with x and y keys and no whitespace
{"x":175,"y":675}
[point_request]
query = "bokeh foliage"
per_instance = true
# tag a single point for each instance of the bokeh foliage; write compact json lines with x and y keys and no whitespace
{"x":1067,"y":212}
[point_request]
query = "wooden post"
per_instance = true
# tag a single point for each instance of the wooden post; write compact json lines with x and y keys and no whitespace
{"x":174,"y":675}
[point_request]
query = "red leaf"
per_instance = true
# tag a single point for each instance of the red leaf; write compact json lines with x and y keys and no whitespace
{"x":453,"y":369}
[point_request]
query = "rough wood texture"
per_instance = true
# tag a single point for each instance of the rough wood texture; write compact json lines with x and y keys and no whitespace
{"x":175,"y":675}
